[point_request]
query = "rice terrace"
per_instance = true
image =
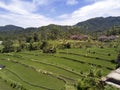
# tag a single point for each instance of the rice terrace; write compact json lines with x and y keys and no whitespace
{"x":59,"y":44}
{"x":36,"y":70}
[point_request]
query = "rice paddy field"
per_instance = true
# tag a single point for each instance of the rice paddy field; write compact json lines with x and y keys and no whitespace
{"x":4,"y":86}
{"x":60,"y":71}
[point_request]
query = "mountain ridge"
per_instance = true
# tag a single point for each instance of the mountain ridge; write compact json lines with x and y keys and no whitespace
{"x":93,"y":24}
{"x":10,"y":27}
{"x":99,"y":23}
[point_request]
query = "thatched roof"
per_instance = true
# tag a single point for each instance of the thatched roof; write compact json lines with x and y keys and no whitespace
{"x":105,"y":38}
{"x":79,"y":37}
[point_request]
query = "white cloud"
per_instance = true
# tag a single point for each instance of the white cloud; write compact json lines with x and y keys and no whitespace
{"x":93,"y":0}
{"x":17,"y":6}
{"x":21,"y":13}
{"x":72,"y":2}
{"x":32,"y":20}
{"x":64,"y":16}
{"x":40,"y":2}
{"x":101,"y":8}
{"x":45,"y":2}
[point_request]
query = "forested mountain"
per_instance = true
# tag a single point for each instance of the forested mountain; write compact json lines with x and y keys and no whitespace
{"x":52,"y":31}
{"x":10,"y":27}
{"x":99,"y":23}
{"x":94,"y":24}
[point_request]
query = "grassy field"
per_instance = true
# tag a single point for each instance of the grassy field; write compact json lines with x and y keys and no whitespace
{"x":4,"y":86}
{"x":38,"y":71}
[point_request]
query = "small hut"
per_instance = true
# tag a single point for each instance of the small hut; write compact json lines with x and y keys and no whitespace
{"x":112,"y":37}
{"x":79,"y":37}
{"x":107,"y":38}
{"x":75,"y":37}
{"x":85,"y":37}
{"x":103,"y":38}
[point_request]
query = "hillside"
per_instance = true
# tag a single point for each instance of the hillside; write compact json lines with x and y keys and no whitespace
{"x":52,"y":58}
{"x":94,"y":25}
{"x":10,"y":27}
{"x":99,"y":23}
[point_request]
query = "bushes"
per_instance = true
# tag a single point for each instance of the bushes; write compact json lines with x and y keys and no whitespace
{"x":91,"y":81}
{"x":43,"y":45}
{"x":7,"y":49}
{"x":64,"y":46}
{"x":67,"y":45}
{"x":47,"y":48}
{"x":13,"y":84}
{"x":109,"y":54}
{"x":101,"y":47}
{"x":109,"y":87}
{"x":8,"y":46}
{"x":93,"y":52}
{"x":17,"y":86}
{"x":113,"y":61}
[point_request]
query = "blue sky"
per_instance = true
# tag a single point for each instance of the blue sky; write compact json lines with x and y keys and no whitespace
{"x":35,"y":13}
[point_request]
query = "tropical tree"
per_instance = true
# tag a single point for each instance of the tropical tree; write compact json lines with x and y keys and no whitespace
{"x":8,"y":46}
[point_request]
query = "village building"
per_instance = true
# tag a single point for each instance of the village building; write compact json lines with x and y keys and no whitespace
{"x":102,"y":38}
{"x":79,"y":37}
{"x":112,"y":37}
{"x":75,"y":37}
{"x":107,"y":38}
{"x":85,"y":37}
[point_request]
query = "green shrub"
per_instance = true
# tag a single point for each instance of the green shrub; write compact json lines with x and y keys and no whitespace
{"x":109,"y":54}
{"x":64,"y":46}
